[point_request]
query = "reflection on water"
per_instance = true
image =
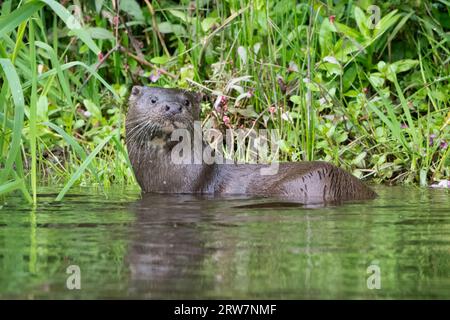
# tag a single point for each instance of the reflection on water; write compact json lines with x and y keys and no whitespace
{"x":156,"y":246}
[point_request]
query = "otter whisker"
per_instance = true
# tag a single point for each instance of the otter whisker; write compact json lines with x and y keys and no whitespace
{"x":136,"y":127}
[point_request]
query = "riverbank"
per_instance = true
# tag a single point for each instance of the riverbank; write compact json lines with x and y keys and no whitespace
{"x":367,"y":92}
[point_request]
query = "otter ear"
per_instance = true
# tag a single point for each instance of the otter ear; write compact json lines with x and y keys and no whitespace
{"x":136,"y":90}
{"x":198,"y":96}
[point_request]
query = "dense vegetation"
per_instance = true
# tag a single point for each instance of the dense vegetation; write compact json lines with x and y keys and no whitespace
{"x":370,"y":95}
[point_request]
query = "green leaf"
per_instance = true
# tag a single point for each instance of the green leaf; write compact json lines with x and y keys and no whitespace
{"x":78,"y":124}
{"x":167,"y":27}
{"x":331,"y":68}
{"x":160,"y":60}
{"x":100,"y":33}
{"x":349,"y":77}
{"x":386,"y":22}
{"x":404,"y":65}
{"x":439,"y":95}
{"x":341,"y":137}
{"x":296,"y":99}
{"x":248,"y":112}
{"x":376,"y":79}
{"x":326,"y":37}
{"x":12,"y":20}
{"x":347,"y":31}
{"x":99,"y":5}
{"x":181,"y":15}
{"x":361,"y":21}
{"x":397,"y":28}
{"x":207,"y":23}
{"x":351,"y":93}
{"x":344,"y":47}
{"x":312,"y":86}
{"x":391,"y":70}
{"x":132,"y":8}
{"x":359,"y":160}
{"x":186,"y":73}
{"x":5,"y":7}
{"x":242,"y":53}
{"x":93,"y":109}
{"x":42,"y":109}
{"x":382,"y":66}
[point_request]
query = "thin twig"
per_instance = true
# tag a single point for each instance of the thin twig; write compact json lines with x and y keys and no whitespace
{"x":97,"y":66}
{"x":155,"y":27}
{"x":146,"y":63}
{"x":134,"y":42}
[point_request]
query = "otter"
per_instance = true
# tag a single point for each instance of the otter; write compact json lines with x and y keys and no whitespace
{"x":153,"y":116}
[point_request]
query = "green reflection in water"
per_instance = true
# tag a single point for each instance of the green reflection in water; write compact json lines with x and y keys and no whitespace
{"x":189,"y":247}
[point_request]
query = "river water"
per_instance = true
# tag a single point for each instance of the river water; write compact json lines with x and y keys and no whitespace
{"x":116,"y":243}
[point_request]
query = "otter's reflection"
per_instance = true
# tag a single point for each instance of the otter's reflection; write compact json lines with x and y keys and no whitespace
{"x":168,"y":247}
{"x":188,"y":246}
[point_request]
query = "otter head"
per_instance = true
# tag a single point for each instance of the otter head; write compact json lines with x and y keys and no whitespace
{"x":154,"y":113}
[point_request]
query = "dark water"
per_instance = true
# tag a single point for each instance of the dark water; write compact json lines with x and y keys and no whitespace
{"x":188,"y":247}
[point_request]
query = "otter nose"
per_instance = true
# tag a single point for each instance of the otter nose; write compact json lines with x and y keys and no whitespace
{"x":172,"y":109}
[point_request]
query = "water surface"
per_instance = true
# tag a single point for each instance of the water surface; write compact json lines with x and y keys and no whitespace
{"x":128,"y":246}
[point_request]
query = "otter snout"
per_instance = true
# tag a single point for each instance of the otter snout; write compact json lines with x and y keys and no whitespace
{"x":171,"y":109}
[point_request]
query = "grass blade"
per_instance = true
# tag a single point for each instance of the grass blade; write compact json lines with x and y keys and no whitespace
{"x":8,"y":123}
{"x":83,"y":167}
{"x":73,"y":24}
{"x":17,"y":184}
{"x":17,"y":94}
{"x":33,"y":111}
{"x":10,"y":186}
{"x":11,"y":21}
{"x":57,"y":66}
{"x":71,"y":65}
{"x":75,"y":146}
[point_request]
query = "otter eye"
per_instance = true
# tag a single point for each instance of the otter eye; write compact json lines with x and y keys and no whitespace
{"x":153,"y":99}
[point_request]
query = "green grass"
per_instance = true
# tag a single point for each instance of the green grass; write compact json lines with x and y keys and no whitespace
{"x":373,"y":101}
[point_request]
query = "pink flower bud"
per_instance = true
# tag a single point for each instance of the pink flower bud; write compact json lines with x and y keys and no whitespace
{"x":223,"y":100}
{"x":116,"y":20}
{"x":154,"y":76}
{"x":272,"y":109}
